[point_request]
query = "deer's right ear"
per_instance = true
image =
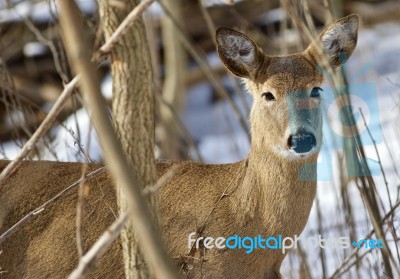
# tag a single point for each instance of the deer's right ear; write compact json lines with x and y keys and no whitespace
{"x":238,"y":52}
{"x":338,"y":40}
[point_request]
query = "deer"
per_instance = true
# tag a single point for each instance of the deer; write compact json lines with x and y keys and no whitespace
{"x":269,"y":193}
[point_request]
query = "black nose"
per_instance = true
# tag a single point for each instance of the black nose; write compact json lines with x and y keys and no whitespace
{"x":302,"y":142}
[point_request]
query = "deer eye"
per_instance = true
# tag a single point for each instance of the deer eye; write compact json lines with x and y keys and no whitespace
{"x":268,"y":96}
{"x":315,"y":92}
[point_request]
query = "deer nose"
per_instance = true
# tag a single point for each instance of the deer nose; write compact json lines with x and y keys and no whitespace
{"x":302,"y":142}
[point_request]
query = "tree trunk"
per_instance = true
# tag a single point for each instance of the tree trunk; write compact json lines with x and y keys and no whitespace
{"x":133,"y":114}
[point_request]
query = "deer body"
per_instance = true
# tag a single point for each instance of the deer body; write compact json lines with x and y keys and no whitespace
{"x":239,"y":204}
{"x":46,"y":247}
{"x":269,"y":193}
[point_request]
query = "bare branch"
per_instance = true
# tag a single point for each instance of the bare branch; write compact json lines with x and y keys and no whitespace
{"x":87,"y":262}
{"x":79,"y":210}
{"x":41,"y":131}
{"x":338,"y":272}
{"x":150,"y":189}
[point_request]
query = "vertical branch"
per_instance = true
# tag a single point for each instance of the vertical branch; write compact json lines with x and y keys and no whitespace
{"x":173,"y":88}
{"x":131,"y":176}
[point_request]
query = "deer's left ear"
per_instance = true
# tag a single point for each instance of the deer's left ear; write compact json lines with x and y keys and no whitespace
{"x":339,"y":39}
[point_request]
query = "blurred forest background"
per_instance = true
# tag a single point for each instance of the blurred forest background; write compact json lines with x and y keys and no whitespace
{"x":202,"y":110}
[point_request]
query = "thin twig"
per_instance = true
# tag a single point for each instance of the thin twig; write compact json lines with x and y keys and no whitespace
{"x":151,"y":189}
{"x":200,"y":229}
{"x":379,"y":158}
{"x":337,"y":272}
{"x":79,"y":209}
{"x":87,"y":262}
{"x":355,"y":262}
{"x":41,"y":131}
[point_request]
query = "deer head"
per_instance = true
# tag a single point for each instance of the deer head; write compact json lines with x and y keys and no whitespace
{"x":286,"y":117}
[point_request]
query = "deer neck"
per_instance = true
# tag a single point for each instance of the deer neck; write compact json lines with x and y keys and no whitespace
{"x":277,"y":192}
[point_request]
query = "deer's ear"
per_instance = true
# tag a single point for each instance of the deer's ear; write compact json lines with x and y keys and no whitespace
{"x":339,"y":39}
{"x":238,"y":52}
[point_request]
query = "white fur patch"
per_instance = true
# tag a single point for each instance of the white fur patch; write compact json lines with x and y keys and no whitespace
{"x":292,"y":156}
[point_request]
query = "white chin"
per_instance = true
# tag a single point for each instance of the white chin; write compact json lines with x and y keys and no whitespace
{"x":292,"y":155}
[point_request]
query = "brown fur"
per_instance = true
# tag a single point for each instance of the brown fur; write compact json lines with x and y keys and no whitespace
{"x":259,"y":195}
